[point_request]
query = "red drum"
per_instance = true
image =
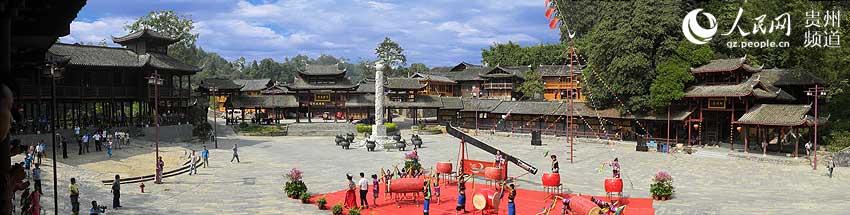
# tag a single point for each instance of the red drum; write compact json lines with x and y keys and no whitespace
{"x":483,"y":199}
{"x":583,"y":206}
{"x":406,"y":185}
{"x":551,"y":179}
{"x":494,"y":173}
{"x":444,"y":167}
{"x":614,"y":185}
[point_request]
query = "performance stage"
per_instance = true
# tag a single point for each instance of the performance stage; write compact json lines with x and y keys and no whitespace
{"x":527,"y":202}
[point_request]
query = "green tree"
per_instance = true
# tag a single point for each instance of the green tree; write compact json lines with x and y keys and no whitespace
{"x":172,"y":25}
{"x":391,"y":54}
{"x":512,"y":54}
{"x":532,"y":86}
{"x":418,"y":67}
{"x":674,"y":73}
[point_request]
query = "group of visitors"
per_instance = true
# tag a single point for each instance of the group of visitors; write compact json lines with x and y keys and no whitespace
{"x":102,"y":140}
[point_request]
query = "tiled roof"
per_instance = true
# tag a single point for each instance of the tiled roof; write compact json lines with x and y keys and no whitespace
{"x":143,"y":34}
{"x":340,"y":83}
{"x":557,"y":70}
{"x":481,"y":105}
{"x":434,"y":78}
{"x":263,"y":101}
{"x":527,"y":107}
{"x":322,"y":70}
{"x":725,"y":65}
{"x":253,"y":85}
{"x":404,"y":84}
{"x":752,"y":86}
{"x":222,"y":84}
{"x":451,"y":103}
{"x":420,"y":101}
{"x":276,"y":89}
{"x":784,"y":77}
{"x":776,"y":114}
{"x":84,"y":55}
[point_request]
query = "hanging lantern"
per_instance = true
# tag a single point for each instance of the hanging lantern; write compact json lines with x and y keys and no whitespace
{"x":554,"y":23}
{"x":696,"y":126}
{"x":739,"y":128}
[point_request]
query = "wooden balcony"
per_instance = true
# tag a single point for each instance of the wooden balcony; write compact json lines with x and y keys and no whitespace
{"x":562,"y":85}
{"x":498,"y":86}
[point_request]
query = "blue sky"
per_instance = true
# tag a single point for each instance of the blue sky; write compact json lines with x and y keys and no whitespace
{"x":434,"y":32}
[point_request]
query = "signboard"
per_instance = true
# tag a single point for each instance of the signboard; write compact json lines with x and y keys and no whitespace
{"x":717,"y":103}
{"x":322,"y":98}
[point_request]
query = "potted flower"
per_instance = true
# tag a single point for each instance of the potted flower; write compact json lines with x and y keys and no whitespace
{"x":662,"y":186}
{"x":305,"y":197}
{"x":354,"y":211}
{"x":337,"y":209}
{"x":294,"y":187}
{"x":322,"y":203}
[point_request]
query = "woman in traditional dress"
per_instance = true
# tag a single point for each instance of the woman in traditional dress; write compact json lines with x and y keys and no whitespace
{"x":350,"y":197}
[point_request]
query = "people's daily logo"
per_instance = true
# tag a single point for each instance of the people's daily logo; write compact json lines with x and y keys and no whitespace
{"x":694,"y":32}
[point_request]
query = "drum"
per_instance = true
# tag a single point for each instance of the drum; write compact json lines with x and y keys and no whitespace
{"x":483,"y":199}
{"x":444,"y":167}
{"x":551,"y":179}
{"x":494,"y":173}
{"x":614,"y":185}
{"x":406,"y":185}
{"x":584,"y":206}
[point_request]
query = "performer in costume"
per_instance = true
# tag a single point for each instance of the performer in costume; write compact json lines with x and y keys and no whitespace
{"x":426,"y":194}
{"x":606,"y":207}
{"x":437,"y":187}
{"x":615,"y":166}
{"x":461,"y":197}
{"x":511,"y":197}
{"x":350,"y":197}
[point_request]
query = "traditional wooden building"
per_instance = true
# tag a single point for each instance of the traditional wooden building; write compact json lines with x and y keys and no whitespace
{"x":503,"y":82}
{"x":108,"y":86}
{"x":729,"y":89}
{"x":436,"y":84}
{"x":322,"y":91}
{"x":559,"y":84}
{"x":479,"y":81}
{"x":261,"y":109}
{"x":224,"y":88}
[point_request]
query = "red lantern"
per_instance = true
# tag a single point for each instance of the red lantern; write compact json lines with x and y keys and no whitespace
{"x":696,"y":126}
{"x":739,"y":128}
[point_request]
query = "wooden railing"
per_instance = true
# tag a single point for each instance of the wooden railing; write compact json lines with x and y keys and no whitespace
{"x":562,"y":85}
{"x":498,"y":86}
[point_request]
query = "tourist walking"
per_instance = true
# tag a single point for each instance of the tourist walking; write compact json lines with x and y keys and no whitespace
{"x":192,"y":158}
{"x":159,"y":167}
{"x":97,"y":139}
{"x":109,"y":148}
{"x":35,"y":203}
{"x":36,"y":178}
{"x":64,"y":146}
{"x":116,"y":192}
{"x":39,"y":151}
{"x":350,"y":197}
{"x":830,"y":165}
{"x":75,"y":197}
{"x":808,"y":148}
{"x":235,"y":153}
{"x":205,"y":154}
{"x":86,"y":139}
{"x":375,"y":190}
{"x":364,"y":189}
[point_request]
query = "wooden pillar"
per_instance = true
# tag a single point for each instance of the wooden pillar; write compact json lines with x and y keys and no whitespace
{"x":732,"y":131}
{"x":746,"y":139}
{"x":796,"y":143}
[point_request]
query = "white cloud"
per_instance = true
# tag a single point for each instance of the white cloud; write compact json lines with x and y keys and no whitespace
{"x":460,"y":29}
{"x":95,"y":31}
{"x":242,"y":35}
{"x":246,"y":9}
{"x":381,"y":5}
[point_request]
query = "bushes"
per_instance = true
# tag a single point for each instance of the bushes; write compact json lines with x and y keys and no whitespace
{"x":261,"y":130}
{"x":354,"y":211}
{"x":337,"y":209}
{"x":322,"y":202}
{"x":838,"y":140}
{"x":391,"y":127}
{"x":202,"y":130}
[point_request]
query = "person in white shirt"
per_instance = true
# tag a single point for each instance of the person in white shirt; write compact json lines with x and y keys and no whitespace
{"x":77,"y":131}
{"x":192,"y":159}
{"x":97,"y":138}
{"x":364,"y":189}
{"x":86,"y":143}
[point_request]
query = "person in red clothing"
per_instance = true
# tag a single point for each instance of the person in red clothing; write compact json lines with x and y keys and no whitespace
{"x":350,"y":196}
{"x":35,"y":206}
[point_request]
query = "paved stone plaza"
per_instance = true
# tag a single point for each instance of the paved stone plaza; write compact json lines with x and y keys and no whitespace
{"x":706,"y":183}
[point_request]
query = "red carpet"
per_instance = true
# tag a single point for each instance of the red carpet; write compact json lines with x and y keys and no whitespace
{"x":527,"y":202}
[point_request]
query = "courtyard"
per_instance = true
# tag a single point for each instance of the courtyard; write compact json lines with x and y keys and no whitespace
{"x":707,"y":182}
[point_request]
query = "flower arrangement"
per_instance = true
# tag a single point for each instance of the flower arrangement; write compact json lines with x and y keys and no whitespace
{"x":662,"y":186}
{"x":305,"y":197}
{"x":295,"y":188}
{"x":294,"y":174}
{"x":354,"y":211}
{"x":411,"y":161}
